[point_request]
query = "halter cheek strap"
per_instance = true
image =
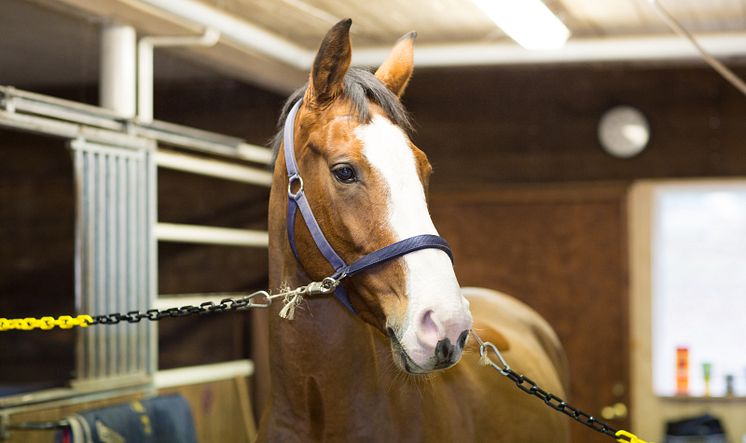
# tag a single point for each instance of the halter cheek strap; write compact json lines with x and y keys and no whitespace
{"x":297,"y":201}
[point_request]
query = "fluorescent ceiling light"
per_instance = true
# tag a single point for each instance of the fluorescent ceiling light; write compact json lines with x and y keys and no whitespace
{"x":529,"y":22}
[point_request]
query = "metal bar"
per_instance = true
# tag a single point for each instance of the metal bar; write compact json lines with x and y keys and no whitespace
{"x":145,"y":48}
{"x":183,"y":141}
{"x":42,"y":125}
{"x":151,"y":203}
{"x":255,"y":153}
{"x":604,"y":49}
{"x":714,"y":63}
{"x":144,"y":81}
{"x":142,"y":246}
{"x":131,"y":253}
{"x":77,"y":107}
{"x":99,"y":263}
{"x":160,"y":126}
{"x":80,"y":245}
{"x":64,"y":112}
{"x":110,"y":258}
{"x":122,"y":262}
{"x":62,"y":397}
{"x":237,"y":31}
{"x":212,"y":168}
{"x":90,"y":256}
{"x":203,"y":374}
{"x":49,"y":115}
{"x":171,"y":232}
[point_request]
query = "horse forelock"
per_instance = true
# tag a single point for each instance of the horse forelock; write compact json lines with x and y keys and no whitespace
{"x":361,"y":88}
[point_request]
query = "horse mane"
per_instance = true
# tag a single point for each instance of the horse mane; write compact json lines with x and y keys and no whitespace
{"x":360,"y":88}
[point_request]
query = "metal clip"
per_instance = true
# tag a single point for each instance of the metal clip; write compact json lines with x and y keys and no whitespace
{"x":260,"y":299}
{"x":324,"y":287}
{"x":487,"y":361}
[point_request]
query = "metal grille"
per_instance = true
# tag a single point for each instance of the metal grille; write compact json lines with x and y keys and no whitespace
{"x":115,"y":257}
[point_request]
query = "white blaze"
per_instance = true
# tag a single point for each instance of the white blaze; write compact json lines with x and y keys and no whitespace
{"x":431,"y":282}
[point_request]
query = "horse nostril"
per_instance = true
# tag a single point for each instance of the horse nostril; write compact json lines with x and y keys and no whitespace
{"x":444,"y":350}
{"x":462,"y":339}
{"x":428,"y":330}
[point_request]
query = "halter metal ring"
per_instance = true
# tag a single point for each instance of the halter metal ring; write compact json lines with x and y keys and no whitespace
{"x":292,"y":180}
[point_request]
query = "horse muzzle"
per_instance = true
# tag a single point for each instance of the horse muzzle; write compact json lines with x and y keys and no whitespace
{"x":425,"y":359}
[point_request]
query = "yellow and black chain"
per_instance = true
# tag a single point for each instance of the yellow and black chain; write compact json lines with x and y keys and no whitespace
{"x":259,"y":299}
{"x":528,"y":386}
{"x":83,"y":321}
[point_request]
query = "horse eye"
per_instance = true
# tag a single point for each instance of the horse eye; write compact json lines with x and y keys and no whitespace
{"x":344,"y":173}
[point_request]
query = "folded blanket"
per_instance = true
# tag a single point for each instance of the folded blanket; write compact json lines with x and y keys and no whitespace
{"x":164,"y":419}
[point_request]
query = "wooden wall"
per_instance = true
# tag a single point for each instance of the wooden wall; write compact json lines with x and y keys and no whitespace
{"x":37,"y":221}
{"x":538,"y":125}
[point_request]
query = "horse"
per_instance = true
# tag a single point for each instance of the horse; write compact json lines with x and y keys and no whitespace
{"x":382,"y":364}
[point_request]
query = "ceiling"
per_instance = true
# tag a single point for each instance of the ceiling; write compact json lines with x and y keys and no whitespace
{"x":55,"y":42}
{"x":381,"y":22}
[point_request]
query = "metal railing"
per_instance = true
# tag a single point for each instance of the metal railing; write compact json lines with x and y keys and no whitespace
{"x":116,"y":161}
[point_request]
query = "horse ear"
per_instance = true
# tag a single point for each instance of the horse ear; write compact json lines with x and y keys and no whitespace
{"x":330,"y":65}
{"x":396,"y":71}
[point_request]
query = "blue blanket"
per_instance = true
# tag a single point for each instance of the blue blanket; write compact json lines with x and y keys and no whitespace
{"x":164,"y":419}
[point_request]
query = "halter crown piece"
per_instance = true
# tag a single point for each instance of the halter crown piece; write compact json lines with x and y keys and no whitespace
{"x":297,"y":201}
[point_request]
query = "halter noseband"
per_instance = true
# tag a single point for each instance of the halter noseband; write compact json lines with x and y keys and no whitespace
{"x":297,"y":201}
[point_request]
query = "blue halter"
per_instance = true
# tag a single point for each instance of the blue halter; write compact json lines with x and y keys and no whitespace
{"x":297,"y":201}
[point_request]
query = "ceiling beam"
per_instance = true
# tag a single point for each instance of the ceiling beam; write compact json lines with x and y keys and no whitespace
{"x":606,"y":49}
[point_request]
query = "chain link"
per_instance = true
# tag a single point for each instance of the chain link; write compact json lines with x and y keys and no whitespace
{"x":256,"y":300}
{"x":528,"y":386}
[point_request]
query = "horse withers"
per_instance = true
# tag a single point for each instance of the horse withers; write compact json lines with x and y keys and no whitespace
{"x":376,"y":366}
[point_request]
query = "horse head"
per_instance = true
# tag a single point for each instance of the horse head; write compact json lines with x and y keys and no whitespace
{"x":366,"y":183}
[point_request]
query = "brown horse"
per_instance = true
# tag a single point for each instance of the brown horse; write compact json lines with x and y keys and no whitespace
{"x":380,"y":375}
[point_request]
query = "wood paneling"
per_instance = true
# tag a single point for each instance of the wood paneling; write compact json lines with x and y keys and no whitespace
{"x":530,"y":125}
{"x":37,"y":223}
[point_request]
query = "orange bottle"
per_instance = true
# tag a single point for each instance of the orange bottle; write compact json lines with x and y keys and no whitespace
{"x":682,"y":370}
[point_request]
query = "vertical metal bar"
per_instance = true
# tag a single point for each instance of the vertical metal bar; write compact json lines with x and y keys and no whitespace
{"x":144,"y":81}
{"x":90,"y":257}
{"x":100,"y":262}
{"x":141,"y":257}
{"x":122,"y":260}
{"x":80,"y":245}
{"x":110,"y":270}
{"x":132,"y":164}
{"x":152,"y":264}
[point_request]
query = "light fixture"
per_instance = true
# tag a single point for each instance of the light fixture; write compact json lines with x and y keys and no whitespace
{"x":623,"y":131}
{"x":529,"y":22}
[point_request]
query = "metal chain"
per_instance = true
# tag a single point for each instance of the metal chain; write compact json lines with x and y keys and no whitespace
{"x":259,"y":299}
{"x":528,"y":386}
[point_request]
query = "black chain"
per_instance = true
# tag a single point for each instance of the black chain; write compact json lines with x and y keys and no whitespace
{"x":208,"y":307}
{"x":530,"y":387}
